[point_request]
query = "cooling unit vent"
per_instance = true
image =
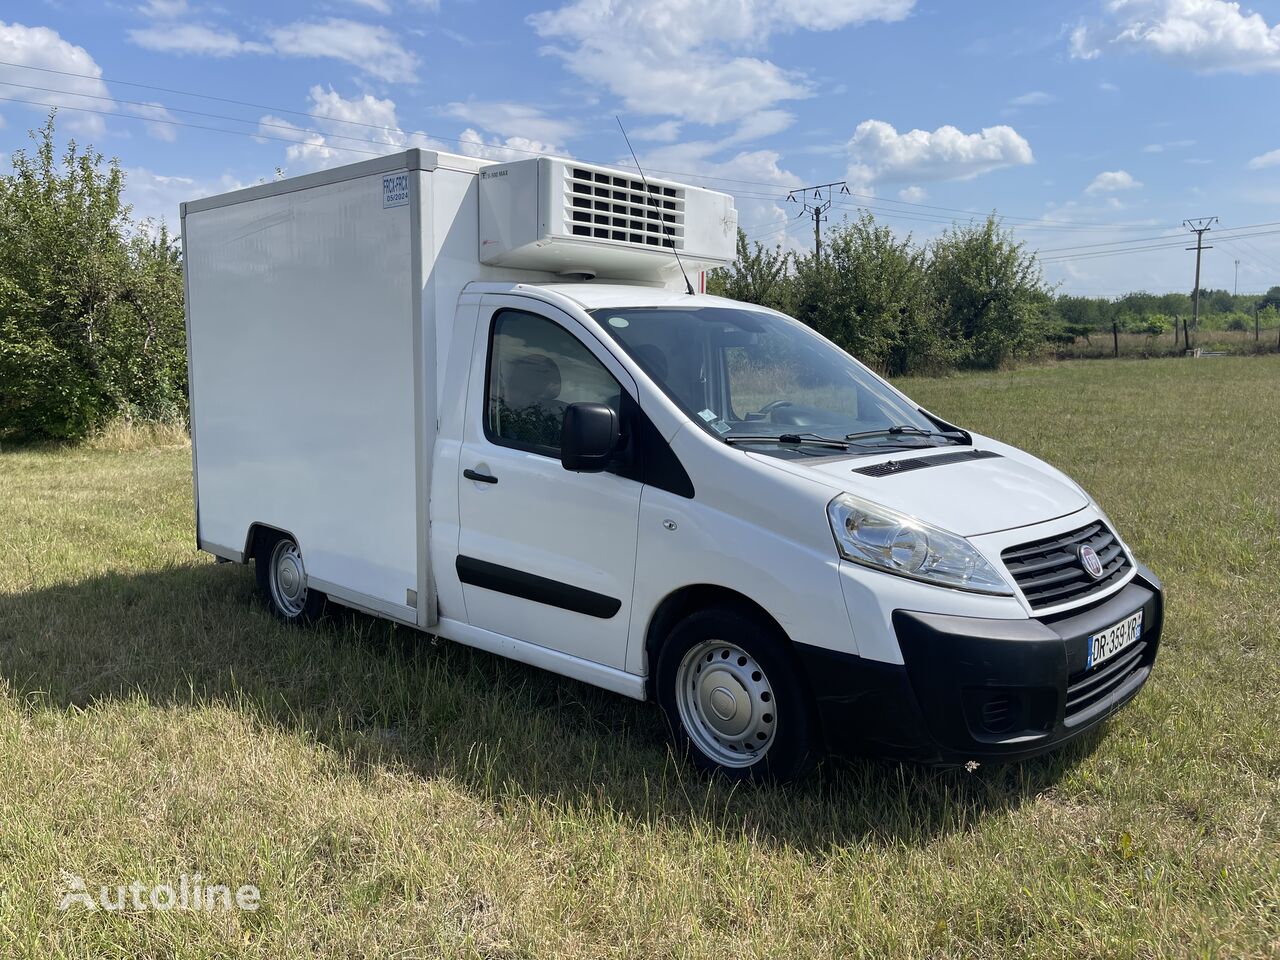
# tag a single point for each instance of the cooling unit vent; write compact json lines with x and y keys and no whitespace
{"x":603,"y":205}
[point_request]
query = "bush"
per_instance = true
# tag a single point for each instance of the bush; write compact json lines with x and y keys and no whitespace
{"x":91,"y":319}
{"x":989,"y":292}
{"x":868,"y":292}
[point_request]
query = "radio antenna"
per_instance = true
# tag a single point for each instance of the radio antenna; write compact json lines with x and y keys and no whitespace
{"x":653,"y":200}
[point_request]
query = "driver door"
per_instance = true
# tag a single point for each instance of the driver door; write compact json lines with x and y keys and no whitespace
{"x":545,"y":555}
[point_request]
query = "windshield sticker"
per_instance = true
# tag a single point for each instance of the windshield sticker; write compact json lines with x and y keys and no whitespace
{"x":619,"y":322}
{"x":708,"y":415}
{"x":721,"y":427}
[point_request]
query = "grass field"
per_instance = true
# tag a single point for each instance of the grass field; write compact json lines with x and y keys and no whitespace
{"x":391,"y":796}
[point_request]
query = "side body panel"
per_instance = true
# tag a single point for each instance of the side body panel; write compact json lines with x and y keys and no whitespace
{"x":303,"y":353}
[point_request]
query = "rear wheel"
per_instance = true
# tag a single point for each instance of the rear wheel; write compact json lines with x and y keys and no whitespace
{"x":734,"y":698}
{"x":282,"y":579}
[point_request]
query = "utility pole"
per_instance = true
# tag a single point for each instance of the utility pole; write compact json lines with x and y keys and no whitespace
{"x":816,"y":206}
{"x":1235,"y":291}
{"x":1200,"y":226}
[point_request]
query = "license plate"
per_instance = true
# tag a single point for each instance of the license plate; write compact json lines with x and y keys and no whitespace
{"x":1109,"y":642}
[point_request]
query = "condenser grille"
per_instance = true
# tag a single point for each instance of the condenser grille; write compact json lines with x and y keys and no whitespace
{"x":604,"y":205}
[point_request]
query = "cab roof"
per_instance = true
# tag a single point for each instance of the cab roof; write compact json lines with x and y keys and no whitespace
{"x":595,"y":296}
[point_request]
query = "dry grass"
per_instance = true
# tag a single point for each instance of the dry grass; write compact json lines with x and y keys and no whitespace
{"x":123,"y":435}
{"x":396,"y":797}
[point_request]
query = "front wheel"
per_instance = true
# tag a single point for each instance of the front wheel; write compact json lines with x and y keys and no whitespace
{"x":282,"y":580}
{"x":734,"y":698}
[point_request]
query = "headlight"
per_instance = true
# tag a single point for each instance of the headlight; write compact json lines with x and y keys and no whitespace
{"x":876,"y":536}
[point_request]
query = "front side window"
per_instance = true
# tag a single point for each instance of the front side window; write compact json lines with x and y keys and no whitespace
{"x":748,"y":376}
{"x":536,"y":369}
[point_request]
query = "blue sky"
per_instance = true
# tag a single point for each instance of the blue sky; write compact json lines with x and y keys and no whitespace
{"x":1093,"y":127}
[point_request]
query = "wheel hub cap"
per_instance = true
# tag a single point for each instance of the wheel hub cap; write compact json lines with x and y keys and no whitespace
{"x":725,"y":703}
{"x":288,"y":578}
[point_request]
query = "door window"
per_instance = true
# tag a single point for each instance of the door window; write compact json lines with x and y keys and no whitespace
{"x":536,"y":369}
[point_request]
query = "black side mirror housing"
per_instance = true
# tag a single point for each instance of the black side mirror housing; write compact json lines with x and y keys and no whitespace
{"x":590,"y":435}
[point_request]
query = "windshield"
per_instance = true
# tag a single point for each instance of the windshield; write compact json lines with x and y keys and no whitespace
{"x":744,"y":374}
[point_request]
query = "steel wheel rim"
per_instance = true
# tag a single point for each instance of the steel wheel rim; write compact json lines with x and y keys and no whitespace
{"x":726,"y":703}
{"x":288,"y":578}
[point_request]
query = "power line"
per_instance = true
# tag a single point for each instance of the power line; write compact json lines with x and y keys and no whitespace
{"x":1259,"y":258}
{"x":179,"y":123}
{"x":1029,"y":223}
{"x":181,"y":93}
{"x":1073,"y":224}
{"x":1156,"y":246}
{"x":199,"y":113}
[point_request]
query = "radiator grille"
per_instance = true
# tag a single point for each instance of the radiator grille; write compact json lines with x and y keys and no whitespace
{"x":1049,"y":572}
{"x":604,"y":205}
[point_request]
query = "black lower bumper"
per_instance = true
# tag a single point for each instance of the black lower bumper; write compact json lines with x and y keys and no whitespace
{"x":978,"y":689}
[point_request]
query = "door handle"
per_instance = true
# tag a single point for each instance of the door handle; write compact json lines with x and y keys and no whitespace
{"x":479,"y":477}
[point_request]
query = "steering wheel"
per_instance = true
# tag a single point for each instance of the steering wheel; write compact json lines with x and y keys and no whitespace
{"x":774,"y":405}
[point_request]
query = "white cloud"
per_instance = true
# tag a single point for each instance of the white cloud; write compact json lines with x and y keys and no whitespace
{"x":163,"y":9}
{"x":690,"y":58}
{"x":880,"y":154}
{"x":161,"y":124}
{"x":343,"y":125}
{"x":1035,"y":98}
{"x":667,"y":131}
{"x":156,"y":196}
{"x":512,"y":120}
{"x":475,"y":144}
{"x":1112,"y":181}
{"x":1106,"y":86}
{"x":1083,"y":46}
{"x":1206,"y":35}
{"x":913,"y":194}
{"x":42,"y":47}
{"x":377,"y":6}
{"x":374,"y":49}
{"x":195,"y":39}
{"x":1168,"y":145}
{"x":1269,"y":159}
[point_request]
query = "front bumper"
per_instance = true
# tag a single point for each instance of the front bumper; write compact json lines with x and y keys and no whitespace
{"x":980,"y":689}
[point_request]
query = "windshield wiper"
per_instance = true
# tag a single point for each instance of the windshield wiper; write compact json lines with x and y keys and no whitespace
{"x":910,"y":431}
{"x":792,"y":438}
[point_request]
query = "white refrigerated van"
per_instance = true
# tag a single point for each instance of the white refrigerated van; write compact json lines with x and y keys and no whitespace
{"x":479,"y":399}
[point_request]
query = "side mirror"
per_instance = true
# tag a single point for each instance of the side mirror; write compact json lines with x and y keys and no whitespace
{"x":589,"y":436}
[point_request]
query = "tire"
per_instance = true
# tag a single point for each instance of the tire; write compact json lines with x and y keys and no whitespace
{"x":722,"y":665}
{"x":282,"y":580}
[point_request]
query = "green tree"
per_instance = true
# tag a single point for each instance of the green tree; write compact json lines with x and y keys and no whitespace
{"x":867,"y":292}
{"x":91,"y":321}
{"x":758,"y":275}
{"x":990,"y":293}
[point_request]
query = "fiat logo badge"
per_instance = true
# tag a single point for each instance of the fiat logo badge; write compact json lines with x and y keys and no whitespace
{"x":1089,"y":560}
